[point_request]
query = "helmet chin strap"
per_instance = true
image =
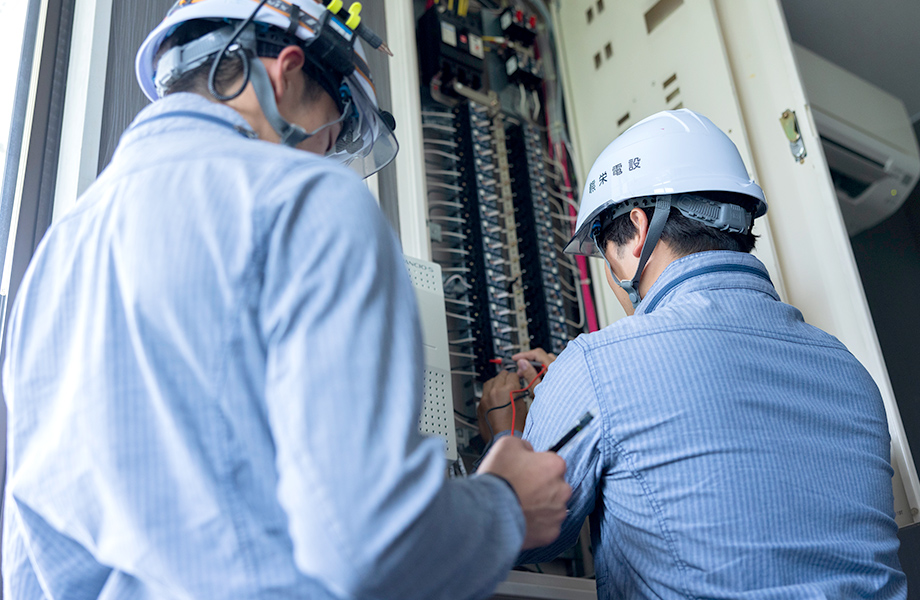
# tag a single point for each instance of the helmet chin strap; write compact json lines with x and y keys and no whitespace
{"x":656,"y":226}
{"x":290,"y":134}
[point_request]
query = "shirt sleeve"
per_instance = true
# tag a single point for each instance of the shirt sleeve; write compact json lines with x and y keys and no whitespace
{"x":371,"y":514}
{"x":563,"y":397}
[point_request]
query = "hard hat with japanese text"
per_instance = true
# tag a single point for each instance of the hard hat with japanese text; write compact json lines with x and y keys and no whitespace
{"x":669,"y":153}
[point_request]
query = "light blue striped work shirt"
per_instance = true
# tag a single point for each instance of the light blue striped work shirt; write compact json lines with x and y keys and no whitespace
{"x":214,"y":377}
{"x":738,"y":452}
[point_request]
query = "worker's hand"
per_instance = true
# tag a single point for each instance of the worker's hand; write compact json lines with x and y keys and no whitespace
{"x":494,"y":409}
{"x":538,"y":480}
{"x":526,"y":371}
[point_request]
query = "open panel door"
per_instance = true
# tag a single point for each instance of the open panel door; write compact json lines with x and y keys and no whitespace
{"x":732,"y":61}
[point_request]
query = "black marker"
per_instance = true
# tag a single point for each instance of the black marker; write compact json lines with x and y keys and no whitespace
{"x":582,"y":423}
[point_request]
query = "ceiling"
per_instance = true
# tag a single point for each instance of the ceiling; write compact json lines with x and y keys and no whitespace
{"x":878,"y":40}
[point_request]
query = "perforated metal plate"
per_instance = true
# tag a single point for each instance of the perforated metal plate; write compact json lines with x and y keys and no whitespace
{"x":438,"y":410}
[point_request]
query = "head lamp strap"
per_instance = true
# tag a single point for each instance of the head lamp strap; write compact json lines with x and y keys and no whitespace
{"x":179,"y":60}
{"x":295,"y":20}
{"x":333,"y":46}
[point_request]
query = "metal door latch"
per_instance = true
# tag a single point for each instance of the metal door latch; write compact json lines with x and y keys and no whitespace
{"x":791,"y":127}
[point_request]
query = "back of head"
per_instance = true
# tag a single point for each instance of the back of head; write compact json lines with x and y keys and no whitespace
{"x":213,"y":47}
{"x":688,"y":177}
{"x":680,"y":154}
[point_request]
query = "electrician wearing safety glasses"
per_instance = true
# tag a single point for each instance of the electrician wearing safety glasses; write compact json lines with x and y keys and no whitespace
{"x":214,"y":372}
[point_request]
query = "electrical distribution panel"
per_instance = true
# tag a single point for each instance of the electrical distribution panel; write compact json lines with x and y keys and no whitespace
{"x":501,"y":201}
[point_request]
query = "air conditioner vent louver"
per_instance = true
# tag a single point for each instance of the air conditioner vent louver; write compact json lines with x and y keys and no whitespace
{"x":867,"y":138}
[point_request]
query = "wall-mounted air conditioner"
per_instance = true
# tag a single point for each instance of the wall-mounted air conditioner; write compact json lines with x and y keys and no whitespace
{"x":868,"y":140}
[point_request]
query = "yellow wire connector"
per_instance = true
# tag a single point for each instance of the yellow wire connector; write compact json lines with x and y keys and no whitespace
{"x":355,"y":16}
{"x":334,"y":6}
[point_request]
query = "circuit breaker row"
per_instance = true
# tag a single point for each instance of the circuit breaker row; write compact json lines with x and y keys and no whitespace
{"x":495,"y":217}
{"x":538,"y":240}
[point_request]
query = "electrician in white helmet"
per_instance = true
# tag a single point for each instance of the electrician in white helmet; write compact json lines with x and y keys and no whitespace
{"x":215,"y":372}
{"x":737,"y":452}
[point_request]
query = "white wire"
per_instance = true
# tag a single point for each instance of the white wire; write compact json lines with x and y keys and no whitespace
{"x":564,"y":198}
{"x":446,"y":186}
{"x":459,"y":278}
{"x":443,"y":154}
{"x":556,"y":204}
{"x":462,"y":354}
{"x":523,"y":103}
{"x":565,"y":283}
{"x":581,"y":308}
{"x":461,"y":317}
{"x":464,"y":422}
{"x":446,"y":203}
{"x":565,"y":238}
{"x":439,"y":127}
{"x":460,"y":302}
{"x":565,"y":262}
{"x":448,"y":143}
{"x":428,"y":113}
{"x":568,"y":296}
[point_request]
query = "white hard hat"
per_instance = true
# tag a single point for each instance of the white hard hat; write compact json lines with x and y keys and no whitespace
{"x":376,"y":145}
{"x":669,"y":153}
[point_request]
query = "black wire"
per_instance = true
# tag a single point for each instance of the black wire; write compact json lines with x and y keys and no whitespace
{"x":489,"y":425}
{"x":212,"y":77}
{"x":505,"y":405}
{"x":492,"y":433}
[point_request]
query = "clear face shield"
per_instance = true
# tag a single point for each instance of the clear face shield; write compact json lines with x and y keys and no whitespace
{"x":366,"y":143}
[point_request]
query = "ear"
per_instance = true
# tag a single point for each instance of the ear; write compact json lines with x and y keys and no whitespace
{"x":640,"y":222}
{"x":284,"y":68}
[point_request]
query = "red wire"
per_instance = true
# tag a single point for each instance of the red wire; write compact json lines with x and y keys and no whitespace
{"x":526,"y":389}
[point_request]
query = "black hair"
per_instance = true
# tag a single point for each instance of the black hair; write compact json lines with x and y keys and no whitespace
{"x":684,"y":235}
{"x":231,"y":67}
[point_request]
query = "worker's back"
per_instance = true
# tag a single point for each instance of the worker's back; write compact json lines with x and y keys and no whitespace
{"x":141,"y":460}
{"x":740,"y":453}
